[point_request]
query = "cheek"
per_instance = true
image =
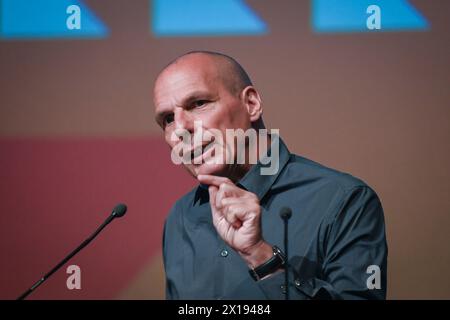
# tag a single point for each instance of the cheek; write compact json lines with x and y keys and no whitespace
{"x":237,"y":117}
{"x":229,"y":116}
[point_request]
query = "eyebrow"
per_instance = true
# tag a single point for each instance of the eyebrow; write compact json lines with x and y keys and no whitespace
{"x":193,"y":96}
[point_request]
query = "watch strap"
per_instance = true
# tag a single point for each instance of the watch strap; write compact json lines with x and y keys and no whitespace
{"x":274,"y":263}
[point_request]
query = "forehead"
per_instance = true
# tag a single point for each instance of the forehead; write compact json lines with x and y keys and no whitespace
{"x":180,"y":79}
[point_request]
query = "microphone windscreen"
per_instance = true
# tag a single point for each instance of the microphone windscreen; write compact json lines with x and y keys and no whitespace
{"x":119,"y":210}
{"x":285,"y":213}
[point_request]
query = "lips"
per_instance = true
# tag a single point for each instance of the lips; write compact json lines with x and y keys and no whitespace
{"x":200,"y":151}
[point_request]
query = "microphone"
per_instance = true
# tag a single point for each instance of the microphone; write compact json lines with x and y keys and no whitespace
{"x":118,"y":211}
{"x":285,"y":214}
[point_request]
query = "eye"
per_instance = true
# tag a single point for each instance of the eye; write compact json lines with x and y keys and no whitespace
{"x":200,"y":103}
{"x":168,"y":119}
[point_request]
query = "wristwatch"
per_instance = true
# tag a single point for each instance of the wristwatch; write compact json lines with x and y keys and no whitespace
{"x":274,"y":263}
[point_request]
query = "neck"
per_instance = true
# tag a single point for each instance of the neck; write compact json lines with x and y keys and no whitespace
{"x":238,"y":171}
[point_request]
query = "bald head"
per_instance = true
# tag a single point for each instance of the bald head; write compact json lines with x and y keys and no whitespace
{"x":206,"y":92}
{"x":221,"y":66}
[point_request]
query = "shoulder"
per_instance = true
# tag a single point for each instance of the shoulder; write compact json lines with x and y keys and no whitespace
{"x":304,"y":170}
{"x":331,"y":189}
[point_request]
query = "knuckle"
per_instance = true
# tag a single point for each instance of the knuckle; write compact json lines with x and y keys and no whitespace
{"x":231,"y":209}
{"x":253,"y":196}
{"x":223,"y":187}
{"x":256,"y":209}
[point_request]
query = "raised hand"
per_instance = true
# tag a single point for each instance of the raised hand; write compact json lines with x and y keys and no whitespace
{"x":236,"y":215}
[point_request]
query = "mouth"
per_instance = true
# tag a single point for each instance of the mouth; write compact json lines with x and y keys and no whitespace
{"x":198,"y":154}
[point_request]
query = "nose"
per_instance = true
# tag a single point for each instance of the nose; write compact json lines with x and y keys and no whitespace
{"x":183,"y":120}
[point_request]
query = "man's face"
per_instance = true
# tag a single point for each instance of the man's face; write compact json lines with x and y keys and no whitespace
{"x":192,"y":90}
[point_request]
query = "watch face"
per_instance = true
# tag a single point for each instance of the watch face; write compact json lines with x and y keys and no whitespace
{"x":279,"y":253}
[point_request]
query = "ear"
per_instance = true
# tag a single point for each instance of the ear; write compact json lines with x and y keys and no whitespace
{"x":252,"y":102}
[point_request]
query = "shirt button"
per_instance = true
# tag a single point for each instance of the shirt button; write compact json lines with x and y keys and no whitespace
{"x":297,"y":282}
{"x":224,"y":253}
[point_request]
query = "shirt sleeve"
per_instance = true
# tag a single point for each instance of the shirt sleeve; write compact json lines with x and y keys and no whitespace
{"x":355,"y":255}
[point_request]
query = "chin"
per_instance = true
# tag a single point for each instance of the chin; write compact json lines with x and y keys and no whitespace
{"x":211,"y":169}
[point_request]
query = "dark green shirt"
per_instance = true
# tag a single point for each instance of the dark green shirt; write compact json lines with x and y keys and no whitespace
{"x":336,"y":238}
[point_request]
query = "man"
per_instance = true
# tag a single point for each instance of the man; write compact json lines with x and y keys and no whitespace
{"x":224,"y":239}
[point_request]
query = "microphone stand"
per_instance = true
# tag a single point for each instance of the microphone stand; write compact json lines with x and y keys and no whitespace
{"x":285,"y":214}
{"x":117,"y":212}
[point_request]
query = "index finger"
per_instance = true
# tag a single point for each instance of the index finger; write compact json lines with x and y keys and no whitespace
{"x":212,"y":180}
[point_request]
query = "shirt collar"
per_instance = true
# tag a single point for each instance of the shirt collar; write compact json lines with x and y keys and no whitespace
{"x":253,"y":180}
{"x":260,"y":184}
{"x":201,"y":194}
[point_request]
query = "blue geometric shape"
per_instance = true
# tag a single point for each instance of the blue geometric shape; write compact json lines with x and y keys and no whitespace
{"x":204,"y":18}
{"x":22,"y":19}
{"x":351,"y":16}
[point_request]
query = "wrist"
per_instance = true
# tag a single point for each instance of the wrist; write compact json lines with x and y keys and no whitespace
{"x":270,"y":266}
{"x":257,"y":254}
